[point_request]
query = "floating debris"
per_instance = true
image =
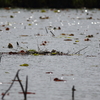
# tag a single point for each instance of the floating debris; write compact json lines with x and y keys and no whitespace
{"x":63,"y":34}
{"x":49,"y":72}
{"x":58,"y":80}
{"x":44,"y":17}
{"x":71,"y":34}
{"x":10,"y":45}
{"x":11,"y":16}
{"x":86,"y":39}
{"x":7,"y":29}
{"x":67,"y":39}
{"x":89,"y":18}
{"x":57,"y":28}
{"x":89,"y":36}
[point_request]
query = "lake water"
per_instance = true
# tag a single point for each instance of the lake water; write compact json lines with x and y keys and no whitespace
{"x":81,"y":70}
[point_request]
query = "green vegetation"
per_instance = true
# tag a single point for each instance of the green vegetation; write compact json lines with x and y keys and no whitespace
{"x":50,"y":3}
{"x":24,"y":64}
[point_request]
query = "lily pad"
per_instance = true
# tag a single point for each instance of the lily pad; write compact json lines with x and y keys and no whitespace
{"x":77,"y":41}
{"x":32,"y":50}
{"x":24,"y":64}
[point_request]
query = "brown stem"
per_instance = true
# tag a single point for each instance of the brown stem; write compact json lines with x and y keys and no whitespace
{"x":11,"y":84}
{"x":26,"y":88}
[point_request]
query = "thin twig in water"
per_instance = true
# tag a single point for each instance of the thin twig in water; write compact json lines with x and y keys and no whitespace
{"x":10,"y":85}
{"x":17,"y":43}
{"x":80,"y":50}
{"x":21,"y":85}
{"x":52,"y":33}
{"x":38,"y":45}
{"x":73,"y":89}
{"x":0,"y":56}
{"x":24,"y":92}
{"x":46,"y":29}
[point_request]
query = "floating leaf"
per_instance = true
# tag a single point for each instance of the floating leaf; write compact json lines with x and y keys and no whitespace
{"x":49,"y":72}
{"x":63,"y":34}
{"x":74,"y":43}
{"x":57,"y":79}
{"x":32,"y":50}
{"x":29,"y":24}
{"x":77,"y":41}
{"x":86,"y":39}
{"x":43,"y":10}
{"x":71,"y":34}
{"x":3,"y":25}
{"x":7,"y":29}
{"x":89,"y":36}
{"x":67,"y":39}
{"x":24,"y":64}
{"x":53,"y":53}
{"x":22,"y":51}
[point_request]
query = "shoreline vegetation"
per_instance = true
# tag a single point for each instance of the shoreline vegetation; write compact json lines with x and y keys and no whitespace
{"x":50,"y":3}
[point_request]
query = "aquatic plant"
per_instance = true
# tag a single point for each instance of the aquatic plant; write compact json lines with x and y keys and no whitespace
{"x":32,"y":50}
{"x":24,"y":64}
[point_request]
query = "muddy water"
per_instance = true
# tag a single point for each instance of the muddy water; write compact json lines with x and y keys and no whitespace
{"x":81,"y":70}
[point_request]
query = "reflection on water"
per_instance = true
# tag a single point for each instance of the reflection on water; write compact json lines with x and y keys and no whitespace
{"x":81,"y":70}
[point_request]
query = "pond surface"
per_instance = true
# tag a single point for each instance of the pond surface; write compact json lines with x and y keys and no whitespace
{"x":81,"y":69}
